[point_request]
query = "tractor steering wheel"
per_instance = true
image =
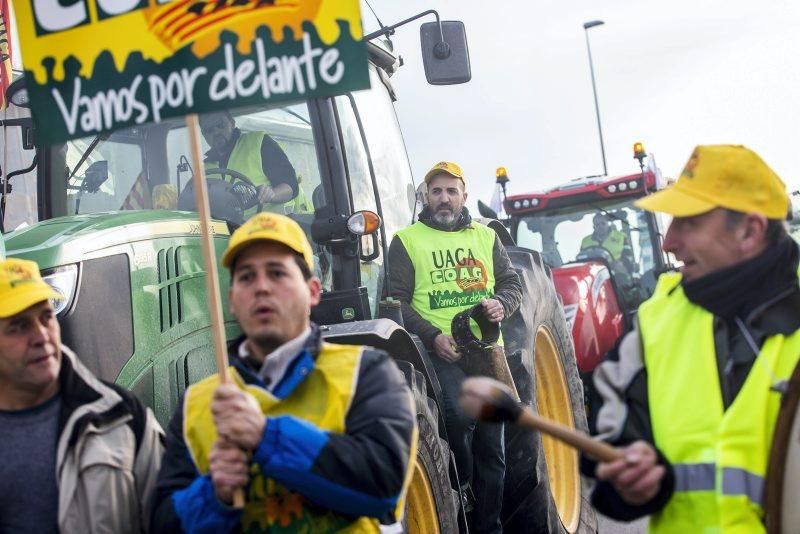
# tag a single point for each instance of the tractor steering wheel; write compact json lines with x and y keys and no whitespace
{"x":595,"y":252}
{"x":236,"y":176}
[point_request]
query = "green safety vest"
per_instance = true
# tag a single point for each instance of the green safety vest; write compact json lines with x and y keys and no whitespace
{"x":323,"y":399}
{"x":614,"y":243}
{"x":246,"y":158}
{"x":453,"y":271}
{"x":719,"y":456}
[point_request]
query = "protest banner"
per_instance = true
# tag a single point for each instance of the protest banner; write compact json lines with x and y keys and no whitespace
{"x":94,"y":66}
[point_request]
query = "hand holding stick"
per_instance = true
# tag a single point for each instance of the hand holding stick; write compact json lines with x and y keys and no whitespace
{"x":210,"y":265}
{"x":486,"y":399}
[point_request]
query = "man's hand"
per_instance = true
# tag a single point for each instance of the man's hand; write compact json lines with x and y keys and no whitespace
{"x":445,"y":348}
{"x":266,"y":194}
{"x":493,"y":310}
{"x":229,"y":468}
{"x":636,"y":477}
{"x":238,"y":417}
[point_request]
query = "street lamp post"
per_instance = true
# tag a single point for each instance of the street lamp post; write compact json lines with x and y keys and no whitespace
{"x":586,"y":26}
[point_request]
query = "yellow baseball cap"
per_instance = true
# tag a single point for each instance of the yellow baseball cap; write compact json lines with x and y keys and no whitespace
{"x":446,"y":167}
{"x":722,"y":176}
{"x":269,"y":227}
{"x":21,"y":286}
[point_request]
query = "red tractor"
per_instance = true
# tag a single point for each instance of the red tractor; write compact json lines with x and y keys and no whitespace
{"x":605,"y":253}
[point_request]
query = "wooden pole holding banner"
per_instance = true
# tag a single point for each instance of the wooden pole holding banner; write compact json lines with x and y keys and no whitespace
{"x":210,"y":263}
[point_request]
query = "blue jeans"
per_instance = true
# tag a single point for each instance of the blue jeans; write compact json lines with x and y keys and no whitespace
{"x":479,"y":450}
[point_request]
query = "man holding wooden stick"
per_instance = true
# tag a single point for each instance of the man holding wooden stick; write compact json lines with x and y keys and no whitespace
{"x":694,"y":391}
{"x":320,"y":437}
{"x":442,"y":265}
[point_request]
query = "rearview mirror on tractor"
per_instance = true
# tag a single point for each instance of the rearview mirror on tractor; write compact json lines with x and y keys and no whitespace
{"x":444,"y":52}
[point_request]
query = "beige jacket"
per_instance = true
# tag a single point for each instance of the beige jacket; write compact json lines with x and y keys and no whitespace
{"x":108,"y":456}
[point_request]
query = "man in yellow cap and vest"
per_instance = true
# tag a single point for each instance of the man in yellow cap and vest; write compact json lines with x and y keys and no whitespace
{"x":79,"y":454}
{"x":441,"y":265}
{"x":321,"y":437}
{"x":254,"y":154}
{"x":694,"y":391}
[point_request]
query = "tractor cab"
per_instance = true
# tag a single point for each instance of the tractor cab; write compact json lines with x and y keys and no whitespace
{"x":604,"y":252}
{"x":568,"y":226}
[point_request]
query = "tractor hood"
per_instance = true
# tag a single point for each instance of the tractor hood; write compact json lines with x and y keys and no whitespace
{"x":71,"y":239}
{"x":591,"y":309}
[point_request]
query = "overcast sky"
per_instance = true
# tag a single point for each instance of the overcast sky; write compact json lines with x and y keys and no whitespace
{"x":672,"y":74}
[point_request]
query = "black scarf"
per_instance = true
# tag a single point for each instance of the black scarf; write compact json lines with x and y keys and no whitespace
{"x":464,"y":220}
{"x":737,"y":290}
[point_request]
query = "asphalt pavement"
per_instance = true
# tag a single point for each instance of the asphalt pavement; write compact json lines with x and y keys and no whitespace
{"x":609,"y":526}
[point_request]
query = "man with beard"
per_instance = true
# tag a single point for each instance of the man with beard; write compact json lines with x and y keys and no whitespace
{"x":320,"y":437}
{"x":693,"y":392}
{"x":441,"y":265}
{"x":254,"y":154}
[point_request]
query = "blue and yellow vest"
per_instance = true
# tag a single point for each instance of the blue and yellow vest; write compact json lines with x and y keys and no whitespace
{"x":720,"y":456}
{"x":323,"y":398}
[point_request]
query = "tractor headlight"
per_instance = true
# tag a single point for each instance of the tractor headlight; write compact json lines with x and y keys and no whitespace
{"x":526,"y":203}
{"x":534,"y":202}
{"x":64,"y":280}
{"x":517,"y":204}
{"x":623,"y":186}
{"x":612,"y":188}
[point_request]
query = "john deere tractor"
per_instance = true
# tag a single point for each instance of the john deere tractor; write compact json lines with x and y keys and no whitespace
{"x":104,"y":217}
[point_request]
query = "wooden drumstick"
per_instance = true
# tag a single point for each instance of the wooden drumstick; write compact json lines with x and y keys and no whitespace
{"x":486,"y":399}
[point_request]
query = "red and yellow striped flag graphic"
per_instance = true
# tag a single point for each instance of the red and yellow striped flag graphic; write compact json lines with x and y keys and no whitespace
{"x":5,"y":52}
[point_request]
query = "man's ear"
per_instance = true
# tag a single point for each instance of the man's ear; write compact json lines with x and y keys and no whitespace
{"x":754,"y":232}
{"x":315,"y":291}
{"x":465,"y":196}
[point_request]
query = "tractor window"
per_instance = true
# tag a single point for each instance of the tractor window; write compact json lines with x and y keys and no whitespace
{"x":150,"y":167}
{"x":109,"y":178}
{"x":19,"y":207}
{"x":387,"y":149}
{"x":616,"y":233}
{"x":362,"y":194}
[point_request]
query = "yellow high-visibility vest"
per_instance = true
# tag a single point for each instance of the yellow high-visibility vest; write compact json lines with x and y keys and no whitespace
{"x":453,"y":271}
{"x":720,"y":456}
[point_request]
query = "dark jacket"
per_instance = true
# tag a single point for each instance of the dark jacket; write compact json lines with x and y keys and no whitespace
{"x":507,"y":287}
{"x":621,"y":385}
{"x":362,"y":471}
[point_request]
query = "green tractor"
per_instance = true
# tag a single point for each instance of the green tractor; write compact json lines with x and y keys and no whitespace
{"x":102,"y":217}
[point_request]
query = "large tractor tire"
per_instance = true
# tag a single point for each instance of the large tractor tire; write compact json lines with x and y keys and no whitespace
{"x":544,"y":490}
{"x":432,"y":505}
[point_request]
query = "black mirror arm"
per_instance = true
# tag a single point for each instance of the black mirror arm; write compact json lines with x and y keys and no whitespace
{"x":389,"y":30}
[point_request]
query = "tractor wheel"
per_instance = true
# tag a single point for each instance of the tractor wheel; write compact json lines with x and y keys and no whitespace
{"x":432,"y":504}
{"x":544,"y":490}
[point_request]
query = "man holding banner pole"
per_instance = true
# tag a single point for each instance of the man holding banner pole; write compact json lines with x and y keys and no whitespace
{"x":321,"y":437}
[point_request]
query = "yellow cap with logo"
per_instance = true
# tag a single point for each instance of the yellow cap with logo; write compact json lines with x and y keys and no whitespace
{"x":21,"y":286}
{"x":269,"y":227}
{"x":445,"y":167}
{"x":722,"y":176}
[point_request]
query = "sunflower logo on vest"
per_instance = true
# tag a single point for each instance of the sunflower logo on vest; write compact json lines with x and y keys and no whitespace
{"x":459,"y":268}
